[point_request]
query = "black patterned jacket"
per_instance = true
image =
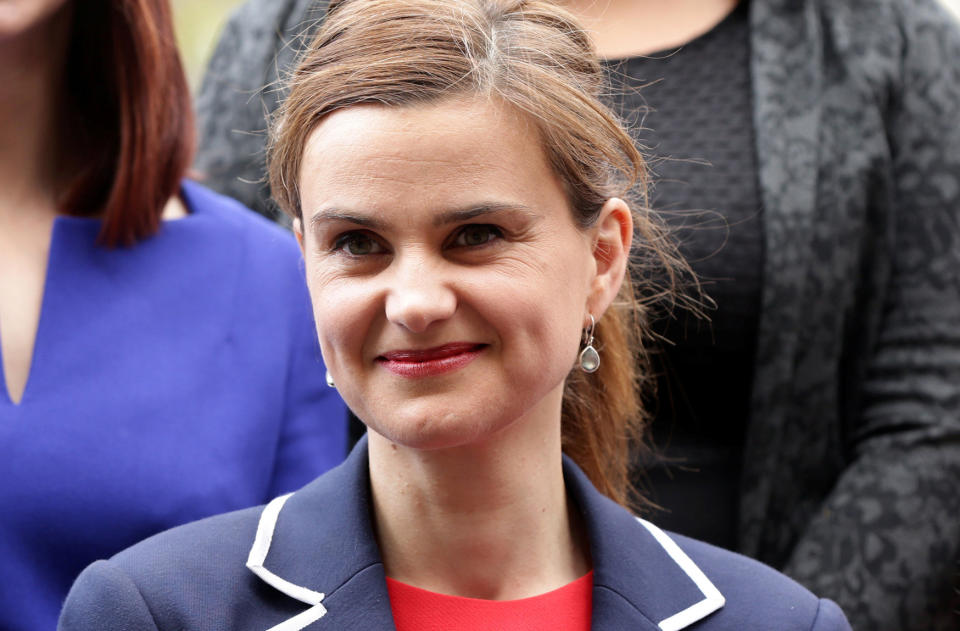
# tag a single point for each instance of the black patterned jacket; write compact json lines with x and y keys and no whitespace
{"x":852,"y":462}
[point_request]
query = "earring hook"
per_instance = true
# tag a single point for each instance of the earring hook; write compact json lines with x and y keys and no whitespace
{"x":588,"y":332}
{"x":589,"y":357}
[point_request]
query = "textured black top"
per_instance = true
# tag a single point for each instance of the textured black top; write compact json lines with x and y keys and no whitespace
{"x":693,"y":112}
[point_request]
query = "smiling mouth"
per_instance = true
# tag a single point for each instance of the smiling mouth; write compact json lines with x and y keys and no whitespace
{"x":429,"y":362}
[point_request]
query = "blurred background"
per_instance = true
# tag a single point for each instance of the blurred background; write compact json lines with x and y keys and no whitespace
{"x":199,"y":25}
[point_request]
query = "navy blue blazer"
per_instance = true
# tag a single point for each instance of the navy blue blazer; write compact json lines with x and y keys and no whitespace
{"x":309,"y":560}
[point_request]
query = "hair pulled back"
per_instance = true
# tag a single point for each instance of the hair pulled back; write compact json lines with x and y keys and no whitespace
{"x":533,"y":55}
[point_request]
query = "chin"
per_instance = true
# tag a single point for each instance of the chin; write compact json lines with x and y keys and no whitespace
{"x":430,"y":432}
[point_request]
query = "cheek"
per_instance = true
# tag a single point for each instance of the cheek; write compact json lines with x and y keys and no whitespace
{"x":548,"y":331}
{"x":539,"y":318}
{"x":344,"y":311}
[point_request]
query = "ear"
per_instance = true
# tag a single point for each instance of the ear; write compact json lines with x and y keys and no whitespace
{"x":613,"y":234}
{"x":298,"y":232}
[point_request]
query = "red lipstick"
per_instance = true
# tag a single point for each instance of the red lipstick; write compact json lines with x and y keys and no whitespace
{"x":430,"y":362}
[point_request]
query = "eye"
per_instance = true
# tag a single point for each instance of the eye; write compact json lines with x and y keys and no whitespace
{"x":358,"y":244}
{"x":476,"y":234}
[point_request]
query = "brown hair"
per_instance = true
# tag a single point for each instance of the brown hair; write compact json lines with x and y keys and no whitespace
{"x":128,"y":121}
{"x":533,"y":55}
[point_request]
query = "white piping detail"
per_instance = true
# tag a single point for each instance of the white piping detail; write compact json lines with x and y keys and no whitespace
{"x":256,"y":558}
{"x":301,"y":620}
{"x":712,"y":598}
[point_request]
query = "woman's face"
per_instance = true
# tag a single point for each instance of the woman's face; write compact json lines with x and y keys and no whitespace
{"x":449,"y":281}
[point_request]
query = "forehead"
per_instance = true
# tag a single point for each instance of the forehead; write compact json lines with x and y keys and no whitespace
{"x":450,"y":153}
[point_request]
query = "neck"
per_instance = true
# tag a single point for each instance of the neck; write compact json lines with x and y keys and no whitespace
{"x":488,"y":520}
{"x":31,"y":74}
{"x":627,"y":28}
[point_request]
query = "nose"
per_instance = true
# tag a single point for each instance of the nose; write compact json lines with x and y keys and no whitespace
{"x":419,"y":295}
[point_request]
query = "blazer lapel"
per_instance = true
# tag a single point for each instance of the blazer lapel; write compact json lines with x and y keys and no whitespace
{"x":641,"y":579}
{"x":317,"y":546}
{"x":786,"y":52}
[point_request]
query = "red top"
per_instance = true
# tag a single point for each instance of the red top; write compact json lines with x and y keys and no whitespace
{"x":565,"y":609}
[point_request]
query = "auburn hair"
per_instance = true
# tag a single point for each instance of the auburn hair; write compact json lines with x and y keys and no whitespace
{"x":533,"y":55}
{"x":127,"y":121}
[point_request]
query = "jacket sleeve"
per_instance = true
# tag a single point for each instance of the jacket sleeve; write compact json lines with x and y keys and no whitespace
{"x":885,"y":543}
{"x":103,"y":598}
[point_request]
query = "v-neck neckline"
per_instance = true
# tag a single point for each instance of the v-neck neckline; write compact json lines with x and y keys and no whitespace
{"x":37,"y":335}
{"x":65,"y":226}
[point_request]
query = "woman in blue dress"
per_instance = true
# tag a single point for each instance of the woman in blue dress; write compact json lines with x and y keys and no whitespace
{"x":455,"y":182}
{"x":149,"y":328}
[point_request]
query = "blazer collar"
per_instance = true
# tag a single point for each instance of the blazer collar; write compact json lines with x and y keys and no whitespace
{"x":317,"y":545}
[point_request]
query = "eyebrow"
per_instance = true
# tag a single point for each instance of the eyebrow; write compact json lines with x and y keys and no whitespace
{"x":455,"y":215}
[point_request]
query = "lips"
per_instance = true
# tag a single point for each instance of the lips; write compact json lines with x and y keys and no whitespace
{"x":428,"y":362}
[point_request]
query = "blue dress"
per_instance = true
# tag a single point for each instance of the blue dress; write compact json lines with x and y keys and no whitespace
{"x":170,"y":381}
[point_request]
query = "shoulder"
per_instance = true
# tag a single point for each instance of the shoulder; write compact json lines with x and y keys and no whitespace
{"x":881,"y":29}
{"x":873,"y":31}
{"x":906,"y":52}
{"x":231,"y":214}
{"x":176,"y":579}
{"x":892,"y":13}
{"x":229,"y":227}
{"x":641,"y":571}
{"x":215,"y":547}
{"x":869,"y":53}
{"x":756,"y":595}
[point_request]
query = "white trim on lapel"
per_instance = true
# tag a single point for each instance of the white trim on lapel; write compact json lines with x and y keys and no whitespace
{"x":712,"y":598}
{"x":711,"y":602}
{"x":256,"y":558}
